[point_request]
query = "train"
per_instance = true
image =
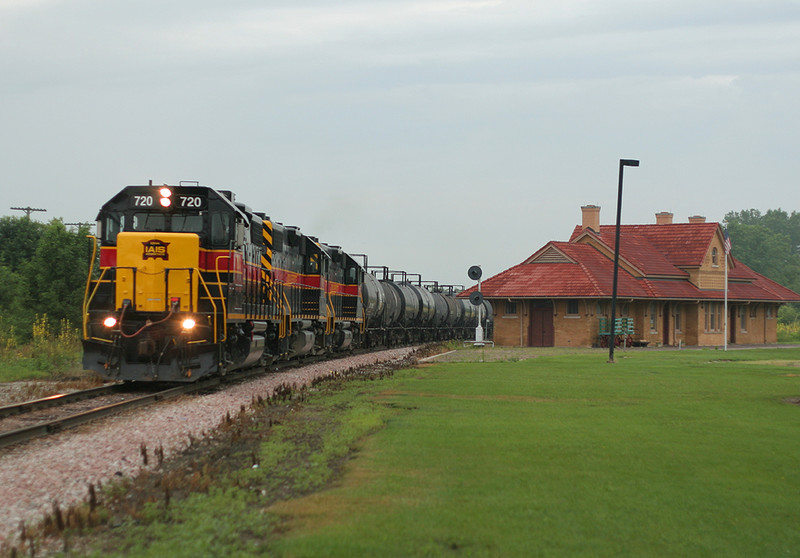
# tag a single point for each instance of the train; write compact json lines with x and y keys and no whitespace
{"x":189,"y":282}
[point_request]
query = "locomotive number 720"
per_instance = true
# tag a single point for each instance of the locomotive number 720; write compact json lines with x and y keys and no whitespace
{"x":190,"y":201}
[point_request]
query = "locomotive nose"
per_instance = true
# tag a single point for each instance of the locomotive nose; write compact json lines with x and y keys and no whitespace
{"x":154,"y":269}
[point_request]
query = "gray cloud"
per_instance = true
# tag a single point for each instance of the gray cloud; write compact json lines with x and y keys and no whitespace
{"x":432,"y":135}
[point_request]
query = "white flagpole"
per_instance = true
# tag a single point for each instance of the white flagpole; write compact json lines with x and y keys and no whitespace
{"x":726,"y":300}
{"x":725,"y":255}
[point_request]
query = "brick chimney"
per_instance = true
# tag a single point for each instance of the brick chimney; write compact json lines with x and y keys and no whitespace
{"x":664,"y":218}
{"x":591,"y":217}
{"x":697,"y":219}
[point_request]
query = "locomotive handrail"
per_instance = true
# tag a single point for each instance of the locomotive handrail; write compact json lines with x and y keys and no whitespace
{"x":211,"y":300}
{"x":221,"y":296}
{"x":287,"y":317}
{"x":331,"y":316}
{"x":88,"y":283}
{"x":90,"y":296}
{"x":88,"y":302}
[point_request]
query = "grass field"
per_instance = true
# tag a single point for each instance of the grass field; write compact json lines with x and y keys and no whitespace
{"x":690,"y":453}
{"x":661,"y":454}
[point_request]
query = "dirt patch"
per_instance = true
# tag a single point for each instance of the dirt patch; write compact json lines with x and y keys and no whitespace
{"x":789,"y":363}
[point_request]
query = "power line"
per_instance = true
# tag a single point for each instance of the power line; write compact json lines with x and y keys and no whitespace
{"x":28,"y":210}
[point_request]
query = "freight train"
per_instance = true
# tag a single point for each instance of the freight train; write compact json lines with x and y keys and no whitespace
{"x":189,"y":282}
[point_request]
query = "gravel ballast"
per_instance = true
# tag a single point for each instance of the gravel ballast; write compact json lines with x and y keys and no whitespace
{"x":60,"y":468}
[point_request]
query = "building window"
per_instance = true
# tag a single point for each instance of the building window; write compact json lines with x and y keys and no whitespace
{"x":651,"y":309}
{"x":743,"y":319}
{"x":753,"y":310}
{"x":600,"y":309}
{"x":511,"y":308}
{"x":714,"y":257}
{"x":572,"y":307}
{"x":770,"y":312}
{"x":678,"y":319}
{"x":713,"y":316}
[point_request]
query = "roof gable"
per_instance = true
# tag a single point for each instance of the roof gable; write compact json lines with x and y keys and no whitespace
{"x":549,"y":254}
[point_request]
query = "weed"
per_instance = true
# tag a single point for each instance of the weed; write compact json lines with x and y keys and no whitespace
{"x":789,"y":332}
{"x":53,"y":352}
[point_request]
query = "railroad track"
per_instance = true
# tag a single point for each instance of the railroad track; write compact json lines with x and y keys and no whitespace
{"x":48,"y":426}
{"x":72,"y":418}
{"x":69,"y":419}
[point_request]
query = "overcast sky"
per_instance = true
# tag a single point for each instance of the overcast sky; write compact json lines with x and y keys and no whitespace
{"x":430,"y":134}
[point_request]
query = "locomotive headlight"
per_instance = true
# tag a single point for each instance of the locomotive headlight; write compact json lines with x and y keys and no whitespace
{"x":188,"y":324}
{"x":110,"y":322}
{"x":166,"y":197}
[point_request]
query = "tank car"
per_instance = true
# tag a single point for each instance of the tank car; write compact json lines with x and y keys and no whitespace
{"x":190,"y":283}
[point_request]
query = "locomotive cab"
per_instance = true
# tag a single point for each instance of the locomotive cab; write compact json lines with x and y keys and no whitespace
{"x":170,"y":271}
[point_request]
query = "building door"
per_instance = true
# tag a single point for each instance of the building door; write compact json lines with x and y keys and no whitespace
{"x":665,"y":325}
{"x":732,"y":325}
{"x":540,"y":332}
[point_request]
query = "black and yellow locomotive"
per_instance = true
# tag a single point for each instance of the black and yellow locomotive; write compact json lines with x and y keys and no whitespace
{"x":192,"y":283}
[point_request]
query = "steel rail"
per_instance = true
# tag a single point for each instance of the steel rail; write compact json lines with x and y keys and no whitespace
{"x":57,"y":400}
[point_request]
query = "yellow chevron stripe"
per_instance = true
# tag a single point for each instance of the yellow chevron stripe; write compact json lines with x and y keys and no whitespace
{"x":267,"y":232}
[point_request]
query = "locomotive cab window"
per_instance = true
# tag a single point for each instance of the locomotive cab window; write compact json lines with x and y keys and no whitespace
{"x":112,"y":225}
{"x":220,"y":229}
{"x":187,"y":223}
{"x":146,"y":222}
{"x":312,"y":264}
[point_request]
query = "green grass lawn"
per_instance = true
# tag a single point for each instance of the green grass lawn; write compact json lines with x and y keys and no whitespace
{"x":690,"y":453}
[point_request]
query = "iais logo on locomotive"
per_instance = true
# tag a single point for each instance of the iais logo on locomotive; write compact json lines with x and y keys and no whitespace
{"x":155,"y":249}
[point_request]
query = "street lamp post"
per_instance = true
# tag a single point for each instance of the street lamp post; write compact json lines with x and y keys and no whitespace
{"x":613,"y":325}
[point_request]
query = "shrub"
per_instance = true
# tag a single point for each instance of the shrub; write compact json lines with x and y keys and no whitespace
{"x":54,"y":351}
{"x":789,"y":333}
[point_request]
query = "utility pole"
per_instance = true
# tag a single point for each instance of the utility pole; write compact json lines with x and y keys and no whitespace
{"x":28,"y":210}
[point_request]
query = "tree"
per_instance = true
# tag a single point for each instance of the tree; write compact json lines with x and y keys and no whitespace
{"x":43,"y":270}
{"x":768,"y":243}
{"x":57,"y":272}
{"x":19,"y":237}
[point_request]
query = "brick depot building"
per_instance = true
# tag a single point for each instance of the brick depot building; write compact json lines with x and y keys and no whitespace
{"x":671,"y":283}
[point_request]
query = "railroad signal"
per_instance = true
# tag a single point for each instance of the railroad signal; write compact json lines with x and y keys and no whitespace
{"x":475,"y":272}
{"x":476,"y":298}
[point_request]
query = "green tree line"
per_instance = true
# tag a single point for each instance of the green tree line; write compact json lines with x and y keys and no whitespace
{"x":43,"y":268}
{"x":769,"y":243}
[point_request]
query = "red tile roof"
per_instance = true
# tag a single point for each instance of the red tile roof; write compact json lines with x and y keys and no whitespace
{"x":662,"y":253}
{"x":681,"y":244}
